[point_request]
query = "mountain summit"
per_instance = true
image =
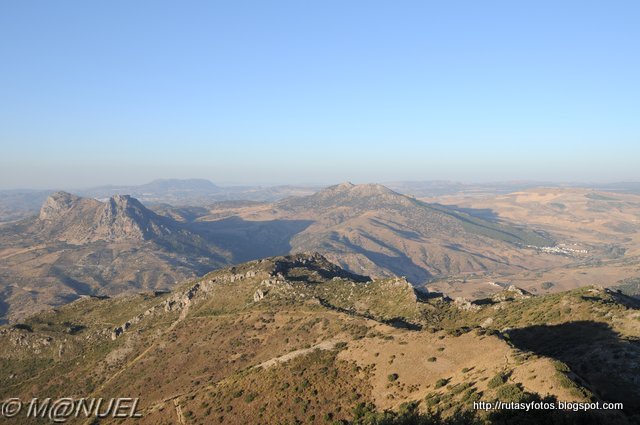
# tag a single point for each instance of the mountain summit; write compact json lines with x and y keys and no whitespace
{"x":372,"y":230}
{"x":359,"y":197}
{"x":124,"y":217}
{"x":58,"y":205}
{"x":80,"y":220}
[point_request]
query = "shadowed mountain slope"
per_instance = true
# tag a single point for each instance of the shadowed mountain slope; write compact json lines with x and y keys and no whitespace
{"x":373,"y":230}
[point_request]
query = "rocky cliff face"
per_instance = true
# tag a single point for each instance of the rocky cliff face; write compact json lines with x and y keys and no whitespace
{"x":80,"y":220}
{"x":58,"y":205}
{"x":67,"y":217}
{"x":125,"y":218}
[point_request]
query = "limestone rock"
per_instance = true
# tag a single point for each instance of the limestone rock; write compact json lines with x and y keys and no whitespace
{"x":258,"y":295}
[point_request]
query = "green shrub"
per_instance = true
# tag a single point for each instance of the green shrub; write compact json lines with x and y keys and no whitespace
{"x":470,"y":396}
{"x":499,"y":379}
{"x":441,"y":383}
{"x":510,"y":393}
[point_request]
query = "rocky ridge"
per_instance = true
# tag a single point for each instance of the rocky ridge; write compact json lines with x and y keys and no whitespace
{"x":82,"y":220}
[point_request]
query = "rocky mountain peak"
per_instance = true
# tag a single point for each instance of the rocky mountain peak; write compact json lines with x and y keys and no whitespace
{"x":124,"y":217}
{"x":80,"y":220}
{"x":125,"y":205}
{"x":57,"y":205}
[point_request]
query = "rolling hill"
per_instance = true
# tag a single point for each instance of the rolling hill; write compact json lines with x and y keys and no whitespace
{"x":373,"y":230}
{"x":599,"y":230}
{"x":297,"y":339}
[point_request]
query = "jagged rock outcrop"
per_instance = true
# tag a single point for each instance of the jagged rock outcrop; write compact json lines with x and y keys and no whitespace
{"x":316,"y":263}
{"x":81,"y":220}
{"x":58,"y":205}
{"x":124,"y":217}
{"x":258,"y":295}
{"x":23,"y":338}
{"x":121,"y":218}
{"x":511,"y":292}
{"x":465,"y":305}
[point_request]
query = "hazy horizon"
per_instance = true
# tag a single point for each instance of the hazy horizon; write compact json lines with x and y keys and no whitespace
{"x":320,"y":184}
{"x":279,"y":92}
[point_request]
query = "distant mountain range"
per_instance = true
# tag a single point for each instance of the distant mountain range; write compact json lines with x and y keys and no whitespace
{"x":196,"y":192}
{"x":17,"y":204}
{"x":81,"y":246}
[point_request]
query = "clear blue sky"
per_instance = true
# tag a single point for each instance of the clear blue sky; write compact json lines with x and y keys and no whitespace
{"x":95,"y":92}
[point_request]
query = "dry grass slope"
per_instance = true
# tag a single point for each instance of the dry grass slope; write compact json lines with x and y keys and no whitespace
{"x":296,"y":339}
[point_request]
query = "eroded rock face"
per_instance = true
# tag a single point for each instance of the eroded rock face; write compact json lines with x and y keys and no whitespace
{"x":312,"y":261}
{"x":258,"y":295}
{"x":465,"y":305}
{"x":124,"y":217}
{"x":80,"y":220}
{"x":179,"y":301}
{"x":57,"y":205}
{"x":25,"y":339}
{"x":510,"y":293}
